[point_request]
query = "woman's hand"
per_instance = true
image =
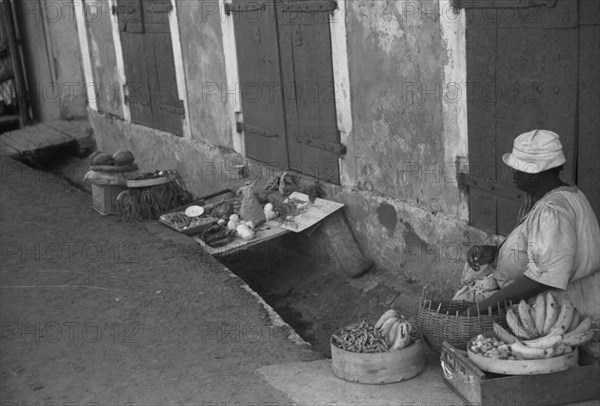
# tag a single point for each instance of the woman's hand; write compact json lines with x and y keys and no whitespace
{"x":480,"y":255}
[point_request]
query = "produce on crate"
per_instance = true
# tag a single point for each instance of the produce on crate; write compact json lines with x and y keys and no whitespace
{"x":544,"y":330}
{"x":180,"y":222}
{"x":102,"y":158}
{"x":122,"y":157}
{"x":391,"y":332}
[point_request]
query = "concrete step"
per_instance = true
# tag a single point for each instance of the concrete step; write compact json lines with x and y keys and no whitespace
{"x":76,"y":135}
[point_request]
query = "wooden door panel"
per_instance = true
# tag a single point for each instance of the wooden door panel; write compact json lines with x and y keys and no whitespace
{"x":137,"y":91}
{"x":526,"y":63}
{"x":260,"y":84}
{"x":588,"y":147}
{"x":167,"y":111}
{"x":538,"y":88}
{"x":315,"y":99}
{"x":152,"y":93}
{"x":307,"y":73}
{"x":483,"y":209}
{"x":481,"y":81}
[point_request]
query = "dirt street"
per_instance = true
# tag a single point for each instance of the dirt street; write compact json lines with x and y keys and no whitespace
{"x":97,"y":311}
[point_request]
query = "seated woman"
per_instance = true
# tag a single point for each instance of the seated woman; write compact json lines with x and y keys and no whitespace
{"x":556,"y":244}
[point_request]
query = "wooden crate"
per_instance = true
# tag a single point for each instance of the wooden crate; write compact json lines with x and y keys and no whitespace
{"x":104,"y":198}
{"x":477,"y":387}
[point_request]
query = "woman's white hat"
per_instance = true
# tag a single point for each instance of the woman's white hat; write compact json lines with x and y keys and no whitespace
{"x":535,"y":151}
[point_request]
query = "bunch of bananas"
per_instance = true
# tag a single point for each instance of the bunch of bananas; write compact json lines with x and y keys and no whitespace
{"x":545,"y":329}
{"x":395,"y":329}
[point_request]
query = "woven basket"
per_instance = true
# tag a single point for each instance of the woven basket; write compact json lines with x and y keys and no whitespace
{"x":438,"y":321}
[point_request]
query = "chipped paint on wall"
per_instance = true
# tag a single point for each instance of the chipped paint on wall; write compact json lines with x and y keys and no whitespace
{"x":385,"y":21}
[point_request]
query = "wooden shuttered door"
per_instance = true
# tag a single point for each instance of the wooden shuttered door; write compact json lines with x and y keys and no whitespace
{"x":151,"y":88}
{"x":260,"y":81}
{"x":285,"y":51}
{"x":530,"y":65}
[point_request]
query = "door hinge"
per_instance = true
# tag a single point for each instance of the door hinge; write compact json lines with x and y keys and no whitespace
{"x":264,"y":132}
{"x":458,"y":4}
{"x":465,"y":181}
{"x":125,"y":94}
{"x":310,"y":6}
{"x":335,"y":147}
{"x":177,"y":109}
{"x":163,"y":7}
{"x":238,"y":7}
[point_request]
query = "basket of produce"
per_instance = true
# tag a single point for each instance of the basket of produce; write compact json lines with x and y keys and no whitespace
{"x":541,"y":338}
{"x":385,"y":352}
{"x":439,"y":320}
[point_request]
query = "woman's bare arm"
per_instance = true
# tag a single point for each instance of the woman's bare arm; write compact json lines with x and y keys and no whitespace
{"x":522,"y":288}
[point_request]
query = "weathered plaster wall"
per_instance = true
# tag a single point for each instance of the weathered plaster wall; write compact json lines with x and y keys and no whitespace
{"x":407,"y":133}
{"x":202,"y":49}
{"x":102,"y":50}
{"x":397,"y":138}
{"x":399,"y":186}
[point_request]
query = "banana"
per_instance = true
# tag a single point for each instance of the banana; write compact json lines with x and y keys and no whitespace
{"x":560,"y":349}
{"x":583,"y":326}
{"x":519,"y":350}
{"x":540,"y":313}
{"x":550,"y":352}
{"x":578,"y":339}
{"x":402,"y":336}
{"x":515,"y":325}
{"x":564,"y":319}
{"x":389,"y":323}
{"x":527,"y":321}
{"x":385,"y":316}
{"x":503,"y":334}
{"x":544,"y":342}
{"x":391,"y":337}
{"x":575,"y":322}
{"x":551,"y":312}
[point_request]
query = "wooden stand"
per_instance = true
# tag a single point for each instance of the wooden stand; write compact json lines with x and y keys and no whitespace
{"x":475,"y":386}
{"x":104,"y":198}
